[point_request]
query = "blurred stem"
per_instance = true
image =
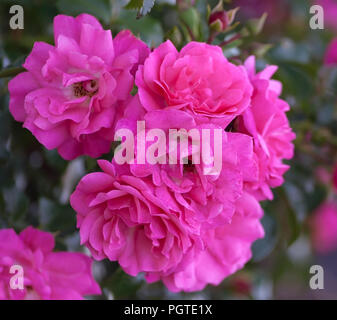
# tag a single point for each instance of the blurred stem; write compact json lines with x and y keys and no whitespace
{"x":211,"y":37}
{"x":189,"y":30}
{"x":11,"y":72}
{"x":232,"y":39}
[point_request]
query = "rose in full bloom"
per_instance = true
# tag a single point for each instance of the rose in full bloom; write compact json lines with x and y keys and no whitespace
{"x":198,"y":80}
{"x":323,"y":225}
{"x":227,"y":248}
{"x":126,"y":218}
{"x":47,"y":275}
{"x":266,"y":121}
{"x":158,"y":219}
{"x":72,"y":93}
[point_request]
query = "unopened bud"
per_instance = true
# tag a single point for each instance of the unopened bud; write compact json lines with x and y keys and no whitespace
{"x":218,"y":21}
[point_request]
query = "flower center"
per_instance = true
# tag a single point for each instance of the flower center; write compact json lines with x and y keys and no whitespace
{"x":86,"y":88}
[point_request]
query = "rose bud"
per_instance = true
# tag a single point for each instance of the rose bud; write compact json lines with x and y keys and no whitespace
{"x":219,"y":21}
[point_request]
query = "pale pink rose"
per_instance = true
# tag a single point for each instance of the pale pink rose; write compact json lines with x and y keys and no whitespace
{"x":227,"y":249}
{"x":72,"y":93}
{"x":266,"y":121}
{"x":198,"y":80}
{"x":323,"y":225}
{"x":331,"y":53}
{"x":47,"y":275}
{"x":330,"y":12}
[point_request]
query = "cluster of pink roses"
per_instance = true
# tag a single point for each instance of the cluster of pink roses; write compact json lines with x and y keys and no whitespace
{"x":171,"y":222}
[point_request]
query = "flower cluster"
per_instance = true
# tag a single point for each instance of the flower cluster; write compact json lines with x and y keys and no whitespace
{"x":171,"y":222}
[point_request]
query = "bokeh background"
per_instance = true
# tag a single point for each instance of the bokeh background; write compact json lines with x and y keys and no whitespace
{"x":35,"y":183}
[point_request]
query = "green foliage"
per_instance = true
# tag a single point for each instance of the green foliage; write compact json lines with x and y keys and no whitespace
{"x":143,"y":6}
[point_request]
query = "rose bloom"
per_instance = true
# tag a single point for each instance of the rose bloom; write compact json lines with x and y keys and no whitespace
{"x":198,"y":80}
{"x":47,"y":275}
{"x":70,"y":97}
{"x":212,"y":196}
{"x":159,"y":219}
{"x":266,"y":121}
{"x":323,"y":225}
{"x":126,"y":218}
{"x":227,"y":249}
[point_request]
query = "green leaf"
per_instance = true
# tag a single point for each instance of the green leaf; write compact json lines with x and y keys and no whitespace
{"x":147,"y":6}
{"x":143,"y":6}
{"x":134,"y":4}
{"x":256,"y":25}
{"x":175,"y":36}
{"x":147,"y":28}
{"x":191,"y":19}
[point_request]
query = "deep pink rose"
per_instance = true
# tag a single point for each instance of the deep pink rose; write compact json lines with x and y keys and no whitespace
{"x":211,"y":197}
{"x":324,"y":228}
{"x":126,"y":218}
{"x":227,"y":248}
{"x":47,"y":275}
{"x":266,"y":121}
{"x":70,"y":97}
{"x":198,"y":80}
{"x":159,"y":218}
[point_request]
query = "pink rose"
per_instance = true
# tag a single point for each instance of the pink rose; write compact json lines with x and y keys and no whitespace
{"x":198,"y":80}
{"x":227,"y":248}
{"x":70,"y":97}
{"x":211,"y":197}
{"x":126,"y":218}
{"x":47,"y":275}
{"x":324,"y":228}
{"x":266,"y":121}
{"x":158,"y":218}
